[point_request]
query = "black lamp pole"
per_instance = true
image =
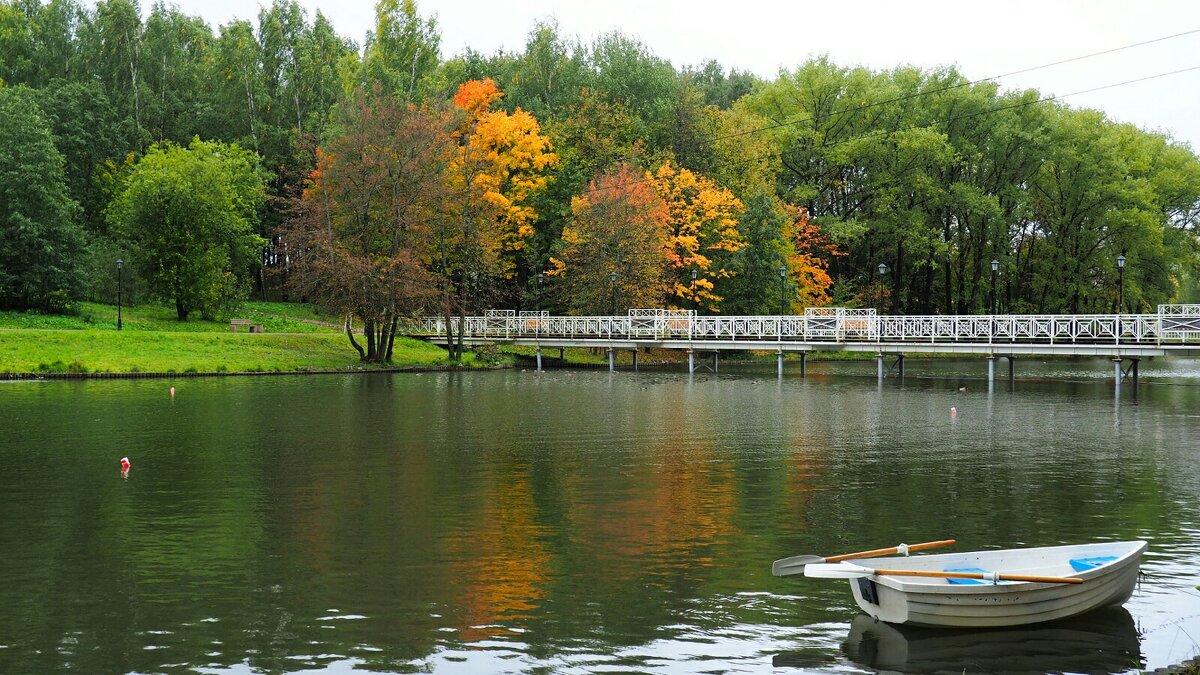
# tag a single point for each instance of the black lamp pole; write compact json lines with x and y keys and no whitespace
{"x":120,"y":263}
{"x":995,"y":266}
{"x":883,"y":268}
{"x":612,"y":287}
{"x":695,"y":302}
{"x":782,"y":290}
{"x":1121,"y":284}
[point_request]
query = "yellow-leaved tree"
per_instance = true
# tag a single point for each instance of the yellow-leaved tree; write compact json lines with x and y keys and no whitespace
{"x":701,"y":234}
{"x":503,"y":160}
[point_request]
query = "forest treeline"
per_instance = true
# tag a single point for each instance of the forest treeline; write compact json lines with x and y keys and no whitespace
{"x":384,"y":181}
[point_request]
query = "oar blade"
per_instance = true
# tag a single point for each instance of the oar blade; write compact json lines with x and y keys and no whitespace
{"x":836,"y":571}
{"x":793,"y":565}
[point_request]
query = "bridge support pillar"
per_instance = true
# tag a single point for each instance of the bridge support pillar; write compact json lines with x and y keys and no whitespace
{"x":715,"y":356}
{"x":635,"y":359}
{"x":562,"y":353}
{"x":991,"y":371}
{"x":1012,"y":369}
{"x":879,"y":365}
{"x":900,"y":365}
{"x":779,"y":361}
{"x":803,"y":363}
{"x":539,"y":359}
{"x":612,"y":361}
{"x":1130,"y":373}
{"x":691,"y":361}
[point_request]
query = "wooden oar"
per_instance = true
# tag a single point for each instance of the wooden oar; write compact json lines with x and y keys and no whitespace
{"x":796,"y":563}
{"x":848,"y":571}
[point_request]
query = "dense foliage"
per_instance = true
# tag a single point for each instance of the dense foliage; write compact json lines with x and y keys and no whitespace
{"x":824,"y":171}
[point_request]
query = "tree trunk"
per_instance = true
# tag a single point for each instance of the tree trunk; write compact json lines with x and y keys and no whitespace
{"x":350,"y":334}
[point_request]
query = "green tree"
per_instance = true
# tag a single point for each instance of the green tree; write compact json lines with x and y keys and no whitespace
{"x":754,"y":286}
{"x":189,"y":214}
{"x":402,"y":53}
{"x":40,"y":243}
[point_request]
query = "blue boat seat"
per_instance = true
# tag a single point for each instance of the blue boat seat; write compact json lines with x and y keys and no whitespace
{"x":1085,"y":564}
{"x":967,"y":582}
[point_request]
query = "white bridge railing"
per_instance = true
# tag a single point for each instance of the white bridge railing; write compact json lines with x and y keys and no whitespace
{"x":1178,"y":324}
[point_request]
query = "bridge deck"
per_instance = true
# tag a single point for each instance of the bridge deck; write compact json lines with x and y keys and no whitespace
{"x":1174,"y":330}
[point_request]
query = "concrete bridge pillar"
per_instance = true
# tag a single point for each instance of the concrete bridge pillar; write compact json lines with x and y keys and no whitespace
{"x":691,"y":361}
{"x":635,"y":359}
{"x":879,"y":365}
{"x":539,"y":359}
{"x":803,"y":363}
{"x":612,"y":362}
{"x":779,"y":360}
{"x":991,"y":371}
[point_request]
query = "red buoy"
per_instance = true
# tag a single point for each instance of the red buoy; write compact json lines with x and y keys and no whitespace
{"x":125,"y":464}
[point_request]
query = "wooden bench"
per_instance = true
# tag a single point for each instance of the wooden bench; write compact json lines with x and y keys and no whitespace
{"x":254,"y":327}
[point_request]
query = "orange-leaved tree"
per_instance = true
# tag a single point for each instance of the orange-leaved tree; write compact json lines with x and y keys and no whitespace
{"x":808,"y":264}
{"x":503,"y":160}
{"x":610,"y":256}
{"x":701,"y":233}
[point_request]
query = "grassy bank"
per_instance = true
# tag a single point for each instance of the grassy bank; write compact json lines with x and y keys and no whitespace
{"x":153,"y":341}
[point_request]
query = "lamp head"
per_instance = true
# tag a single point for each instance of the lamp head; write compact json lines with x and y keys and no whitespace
{"x":883,"y":268}
{"x":995,"y":264}
{"x":1121,"y":261}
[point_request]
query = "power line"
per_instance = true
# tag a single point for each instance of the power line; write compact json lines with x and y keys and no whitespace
{"x":906,"y":97}
{"x":890,"y":132}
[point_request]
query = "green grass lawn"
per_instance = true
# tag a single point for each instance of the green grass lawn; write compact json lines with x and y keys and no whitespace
{"x":152,"y":340}
{"x":275,"y":317}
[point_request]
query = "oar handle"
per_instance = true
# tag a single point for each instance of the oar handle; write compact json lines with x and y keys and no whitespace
{"x":976,"y":575}
{"x":888,"y":551}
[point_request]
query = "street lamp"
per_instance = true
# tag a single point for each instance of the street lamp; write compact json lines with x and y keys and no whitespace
{"x":541,"y":280}
{"x":782,"y":290}
{"x":995,"y":266}
{"x":883,"y":268}
{"x":1121,"y":283}
{"x":612,"y":286}
{"x":119,"y":264}
{"x":695,"y":302}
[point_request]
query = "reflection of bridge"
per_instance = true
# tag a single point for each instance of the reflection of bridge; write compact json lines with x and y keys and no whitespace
{"x":1173,"y":330}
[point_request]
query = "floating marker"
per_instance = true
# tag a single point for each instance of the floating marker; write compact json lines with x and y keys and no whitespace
{"x":125,"y":466}
{"x":172,"y":392}
{"x":953,"y":411}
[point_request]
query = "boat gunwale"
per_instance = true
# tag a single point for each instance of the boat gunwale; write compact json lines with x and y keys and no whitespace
{"x":913,"y":585}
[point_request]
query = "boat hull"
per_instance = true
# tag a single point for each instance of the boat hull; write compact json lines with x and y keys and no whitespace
{"x":936,"y":602}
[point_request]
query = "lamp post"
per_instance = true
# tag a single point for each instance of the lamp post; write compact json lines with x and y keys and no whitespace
{"x":1121,"y":283}
{"x":541,"y":279}
{"x":782,"y":290}
{"x":883,"y":268}
{"x":612,"y":287}
{"x":995,"y":266}
{"x":695,"y":302}
{"x":120,"y":263}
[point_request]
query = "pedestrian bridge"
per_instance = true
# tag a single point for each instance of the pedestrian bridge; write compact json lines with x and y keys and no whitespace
{"x":1174,"y":330}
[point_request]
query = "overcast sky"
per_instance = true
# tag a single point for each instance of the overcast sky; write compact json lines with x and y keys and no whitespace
{"x":982,"y":38}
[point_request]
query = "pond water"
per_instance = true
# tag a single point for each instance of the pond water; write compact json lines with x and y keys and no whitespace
{"x":576,"y":521}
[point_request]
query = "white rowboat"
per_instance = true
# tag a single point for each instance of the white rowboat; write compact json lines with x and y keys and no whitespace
{"x":1108,"y":572}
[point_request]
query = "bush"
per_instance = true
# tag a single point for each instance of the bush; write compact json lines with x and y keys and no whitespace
{"x":488,"y":355}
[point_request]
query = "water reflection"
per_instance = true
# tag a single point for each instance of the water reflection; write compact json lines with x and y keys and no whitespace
{"x":1105,"y":641}
{"x":567,"y":522}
